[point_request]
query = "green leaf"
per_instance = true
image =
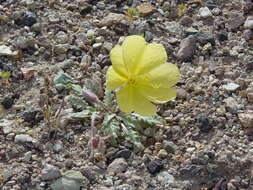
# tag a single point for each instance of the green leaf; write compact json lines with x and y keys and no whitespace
{"x":108,"y":98}
{"x":76,"y":102}
{"x":77,"y":89}
{"x":131,"y":135}
{"x":62,"y":80}
{"x":5,"y":75}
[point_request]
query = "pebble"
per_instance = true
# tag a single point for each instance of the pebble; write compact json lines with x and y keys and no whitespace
{"x":155,"y":166}
{"x":71,"y":180}
{"x":112,"y":18}
{"x":125,"y":153}
{"x":235,"y":21}
{"x":166,"y":179}
{"x":50,"y":172}
{"x":162,"y":154}
{"x":26,"y":18}
{"x":90,"y":34}
{"x":97,"y":45}
{"x":118,"y":165}
{"x":230,"y":87}
{"x":33,"y":115}
{"x":250,"y":97}
{"x":7,"y":51}
{"x":231,"y":105}
{"x":204,"y":124}
{"x":186,"y":21}
{"x":186,"y":49}
{"x":22,"y":138}
{"x":246,"y":119}
{"x":249,"y":23}
{"x":205,"y":12}
{"x":170,"y":147}
{"x":181,"y":94}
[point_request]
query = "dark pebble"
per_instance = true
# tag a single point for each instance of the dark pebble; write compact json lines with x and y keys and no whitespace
{"x":155,"y":166}
{"x":249,"y":66}
{"x":33,"y":116}
{"x":204,"y":124}
{"x":148,"y":36}
{"x":125,"y":153}
{"x":204,"y":38}
{"x":26,"y":19}
{"x":7,"y":102}
{"x":221,"y":37}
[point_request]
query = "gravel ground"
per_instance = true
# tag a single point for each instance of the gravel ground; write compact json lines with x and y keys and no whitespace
{"x":206,"y":142}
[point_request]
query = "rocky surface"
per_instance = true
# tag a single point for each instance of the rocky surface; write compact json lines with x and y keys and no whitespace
{"x":206,"y":142}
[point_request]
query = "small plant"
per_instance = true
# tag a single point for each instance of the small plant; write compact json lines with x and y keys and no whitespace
{"x":140,"y":77}
{"x":5,"y":75}
{"x":131,"y":13}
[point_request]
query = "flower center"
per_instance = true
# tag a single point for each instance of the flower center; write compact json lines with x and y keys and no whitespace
{"x":131,"y":82}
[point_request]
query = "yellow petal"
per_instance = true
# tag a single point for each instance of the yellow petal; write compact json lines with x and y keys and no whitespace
{"x":153,"y":56}
{"x":113,"y":79}
{"x":163,"y":76}
{"x":158,"y":95}
{"x":118,"y":64}
{"x":133,"y":47}
{"x":130,"y":99}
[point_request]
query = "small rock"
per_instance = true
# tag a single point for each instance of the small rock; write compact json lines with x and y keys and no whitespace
{"x":249,"y":23}
{"x":7,"y":102}
{"x":33,"y":116}
{"x":90,"y":34}
{"x":125,"y":153}
{"x":27,"y":156}
{"x":186,"y":49}
{"x":204,"y":124}
{"x":145,"y":9}
{"x":247,"y":34}
{"x":230,"y":87}
{"x":231,"y":105}
{"x":99,"y":39}
{"x":249,"y":66}
{"x":119,"y":165}
{"x":112,"y":18}
{"x":89,"y":173}
{"x":26,"y":18}
{"x":181,"y":94}
{"x":57,"y":147}
{"x":250,"y":97}
{"x":166,"y":179}
{"x":246,"y":119}
{"x":61,"y":37}
{"x":5,"y":50}
{"x":50,"y":172}
{"x":23,"y":138}
{"x":71,"y":180}
{"x":155,"y":166}
{"x":61,"y":48}
{"x":7,"y":130}
{"x":186,"y":21}
{"x":84,"y":7}
{"x":69,"y":163}
{"x":235,"y":21}
{"x":205,"y":12}
{"x":170,"y":147}
{"x":162,"y":154}
{"x":148,"y":36}
{"x":230,"y":186}
{"x":97,"y":45}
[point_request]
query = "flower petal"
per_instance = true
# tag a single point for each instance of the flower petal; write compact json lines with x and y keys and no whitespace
{"x":117,"y":60}
{"x":163,"y":76}
{"x":113,"y":79}
{"x":158,"y":95}
{"x":153,"y":56}
{"x":130,"y":99}
{"x":133,"y":47}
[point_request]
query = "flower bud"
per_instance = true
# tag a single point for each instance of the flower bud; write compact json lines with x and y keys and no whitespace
{"x":90,"y":97}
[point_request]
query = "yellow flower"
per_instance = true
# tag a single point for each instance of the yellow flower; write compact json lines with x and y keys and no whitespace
{"x":141,"y":76}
